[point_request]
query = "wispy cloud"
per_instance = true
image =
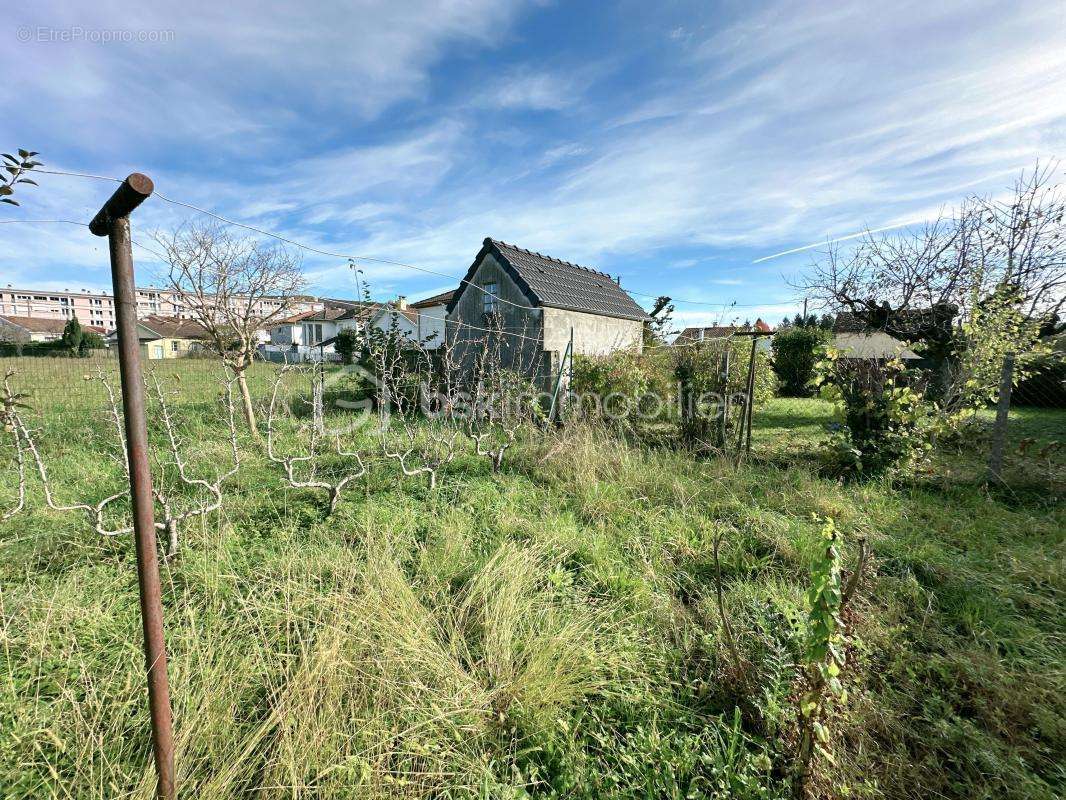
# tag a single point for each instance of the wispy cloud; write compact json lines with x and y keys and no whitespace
{"x":532,"y":90}
{"x":673,"y":150}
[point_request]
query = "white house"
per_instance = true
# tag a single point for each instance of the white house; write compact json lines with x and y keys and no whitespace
{"x":432,"y":316}
{"x":422,"y":322}
{"x":308,"y":336}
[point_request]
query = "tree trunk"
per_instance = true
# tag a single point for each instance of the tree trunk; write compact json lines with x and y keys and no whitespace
{"x":172,"y":538}
{"x":246,"y":402}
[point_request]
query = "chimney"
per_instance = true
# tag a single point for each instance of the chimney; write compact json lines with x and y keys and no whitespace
{"x":401,"y":302}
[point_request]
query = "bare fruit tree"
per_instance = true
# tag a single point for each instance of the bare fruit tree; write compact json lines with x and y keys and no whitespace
{"x":495,"y":392}
{"x":1015,"y":242}
{"x":175,"y":509}
{"x":233,"y":287}
{"x":967,"y":286}
{"x":402,"y":371}
{"x":307,"y":468}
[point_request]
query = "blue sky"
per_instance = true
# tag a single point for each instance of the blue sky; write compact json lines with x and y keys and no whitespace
{"x":673,"y":144}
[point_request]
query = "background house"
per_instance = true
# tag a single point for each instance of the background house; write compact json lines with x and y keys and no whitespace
{"x":432,"y":318}
{"x":855,"y":337}
{"x":873,"y":345}
{"x":37,"y":329}
{"x":422,"y":322}
{"x":535,"y":302}
{"x":701,"y":334}
{"x":167,"y":337}
{"x":310,"y":335}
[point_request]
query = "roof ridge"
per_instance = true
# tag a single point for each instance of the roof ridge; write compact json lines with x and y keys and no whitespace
{"x":593,"y":270}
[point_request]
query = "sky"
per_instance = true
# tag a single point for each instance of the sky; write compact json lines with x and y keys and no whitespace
{"x":676,"y":145}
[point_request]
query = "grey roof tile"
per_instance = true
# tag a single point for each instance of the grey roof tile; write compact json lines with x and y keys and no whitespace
{"x":560,"y":284}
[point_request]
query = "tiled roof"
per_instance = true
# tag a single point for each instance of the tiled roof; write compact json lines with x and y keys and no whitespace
{"x":322,"y":315}
{"x":173,"y":327}
{"x":908,"y":322}
{"x":441,"y":299}
{"x":45,"y":324}
{"x":876,"y":344}
{"x":410,"y":312}
{"x":722,"y":331}
{"x":553,"y":283}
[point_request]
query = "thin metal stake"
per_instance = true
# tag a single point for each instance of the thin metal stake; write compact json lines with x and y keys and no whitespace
{"x":750,"y":407}
{"x":570,"y":376}
{"x":112,"y":220}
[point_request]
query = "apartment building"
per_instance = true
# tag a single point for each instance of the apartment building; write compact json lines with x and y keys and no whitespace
{"x":98,"y":308}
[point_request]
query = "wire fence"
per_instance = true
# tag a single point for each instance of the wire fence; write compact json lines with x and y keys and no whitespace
{"x":1027,"y":436}
{"x":75,"y":391}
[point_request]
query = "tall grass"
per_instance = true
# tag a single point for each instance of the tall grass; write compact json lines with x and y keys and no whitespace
{"x":550,"y":630}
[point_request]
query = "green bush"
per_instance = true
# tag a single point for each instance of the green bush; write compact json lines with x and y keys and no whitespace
{"x":72,"y":336}
{"x":619,"y":381}
{"x":347,"y":345}
{"x":706,"y":385}
{"x":90,"y":341}
{"x":882,"y":422}
{"x":795,"y":354}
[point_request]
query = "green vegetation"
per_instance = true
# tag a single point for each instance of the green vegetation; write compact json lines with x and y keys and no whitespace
{"x":796,"y":352}
{"x":547,"y":630}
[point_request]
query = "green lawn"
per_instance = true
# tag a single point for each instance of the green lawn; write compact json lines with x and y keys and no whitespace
{"x":550,"y":630}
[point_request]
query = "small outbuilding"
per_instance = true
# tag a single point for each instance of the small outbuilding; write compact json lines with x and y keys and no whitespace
{"x":537,"y":305}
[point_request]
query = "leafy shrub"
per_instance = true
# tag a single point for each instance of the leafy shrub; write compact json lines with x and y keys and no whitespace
{"x":707,"y":388}
{"x":619,"y":386}
{"x":90,"y":341}
{"x":72,"y":335}
{"x":881,"y":420}
{"x":796,"y":353}
{"x":347,"y":345}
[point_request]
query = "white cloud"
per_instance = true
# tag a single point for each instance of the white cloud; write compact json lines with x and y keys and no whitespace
{"x":533,"y":90}
{"x":236,"y":76}
{"x":780,"y":128}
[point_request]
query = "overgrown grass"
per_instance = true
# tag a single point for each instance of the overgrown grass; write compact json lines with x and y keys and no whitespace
{"x":550,"y":630}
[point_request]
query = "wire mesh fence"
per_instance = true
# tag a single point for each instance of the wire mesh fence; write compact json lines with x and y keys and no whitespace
{"x":75,"y":391}
{"x":1027,"y":438}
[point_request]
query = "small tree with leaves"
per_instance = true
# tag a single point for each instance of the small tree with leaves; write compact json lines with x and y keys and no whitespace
{"x":824,"y":654}
{"x":347,"y":345}
{"x":72,"y":337}
{"x":658,"y":327}
{"x":15,"y":173}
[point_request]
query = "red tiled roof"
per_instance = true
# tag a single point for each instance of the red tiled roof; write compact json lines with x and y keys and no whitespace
{"x":723,"y":331}
{"x":46,"y":324}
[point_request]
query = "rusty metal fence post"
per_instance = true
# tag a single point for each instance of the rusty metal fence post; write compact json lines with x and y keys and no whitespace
{"x":112,"y":220}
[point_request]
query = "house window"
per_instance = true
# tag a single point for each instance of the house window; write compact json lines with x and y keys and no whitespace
{"x":491,"y":298}
{"x":312,"y":334}
{"x":173,"y":347}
